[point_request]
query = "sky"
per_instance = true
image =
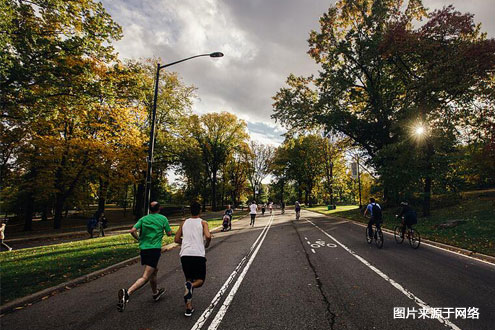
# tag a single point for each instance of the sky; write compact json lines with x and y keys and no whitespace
{"x":263,"y":42}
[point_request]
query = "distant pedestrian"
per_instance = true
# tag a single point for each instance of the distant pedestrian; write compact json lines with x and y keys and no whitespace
{"x":151,"y":228}
{"x":2,"y":234}
{"x":194,"y":236}
{"x":102,"y":224}
{"x":282,"y":206}
{"x":229,"y":212}
{"x":92,"y":224}
{"x":263,"y":208}
{"x":270,"y":206}
{"x":253,"y":208}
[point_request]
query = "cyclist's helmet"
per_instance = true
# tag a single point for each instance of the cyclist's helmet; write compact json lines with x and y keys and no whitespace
{"x":404,"y":203}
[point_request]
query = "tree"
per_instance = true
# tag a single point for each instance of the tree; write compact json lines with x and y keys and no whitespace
{"x":217,"y":135}
{"x":380,"y":74}
{"x":259,"y":161}
{"x":431,"y":65}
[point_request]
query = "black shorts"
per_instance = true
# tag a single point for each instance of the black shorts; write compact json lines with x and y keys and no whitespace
{"x":194,"y":267}
{"x":150,"y":257}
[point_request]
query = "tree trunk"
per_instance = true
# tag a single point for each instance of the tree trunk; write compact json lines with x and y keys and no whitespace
{"x":125,"y":199}
{"x":102,"y":194}
{"x":139,"y":206}
{"x":44,"y":213}
{"x":214,"y":191}
{"x":28,"y":213}
{"x":428,"y":180}
{"x":59,"y":209}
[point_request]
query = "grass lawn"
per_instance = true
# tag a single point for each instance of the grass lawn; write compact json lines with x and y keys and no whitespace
{"x":477,"y":233}
{"x":27,"y":271}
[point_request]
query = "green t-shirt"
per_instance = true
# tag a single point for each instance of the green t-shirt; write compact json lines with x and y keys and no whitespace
{"x":151,"y":229}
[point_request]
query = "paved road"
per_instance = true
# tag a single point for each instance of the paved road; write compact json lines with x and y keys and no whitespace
{"x":275,"y":276}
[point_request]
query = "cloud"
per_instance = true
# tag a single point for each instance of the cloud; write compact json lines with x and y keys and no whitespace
{"x":263,"y":41}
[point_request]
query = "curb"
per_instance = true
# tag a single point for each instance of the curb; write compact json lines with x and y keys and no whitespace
{"x":468,"y":253}
{"x":44,"y":294}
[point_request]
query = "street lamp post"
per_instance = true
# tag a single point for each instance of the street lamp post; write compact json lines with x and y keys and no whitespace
{"x":147,"y":192}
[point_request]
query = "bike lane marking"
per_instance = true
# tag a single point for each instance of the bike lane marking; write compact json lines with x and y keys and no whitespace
{"x":399,"y":287}
{"x":226,"y":304}
{"x":206,"y":314}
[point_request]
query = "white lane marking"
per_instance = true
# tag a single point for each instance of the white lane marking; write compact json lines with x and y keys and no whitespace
{"x":313,"y":250}
{"x":206,"y":314}
{"x":225,"y":306}
{"x":399,"y":287}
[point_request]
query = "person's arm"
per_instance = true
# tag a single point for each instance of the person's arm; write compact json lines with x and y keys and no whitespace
{"x":134,"y":230}
{"x":365,"y":211}
{"x":134,"y":233}
{"x":168,"y":230}
{"x":206,"y":233}
{"x":178,"y":235}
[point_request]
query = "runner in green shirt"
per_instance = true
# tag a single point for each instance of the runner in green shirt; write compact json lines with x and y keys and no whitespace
{"x":151,"y":228}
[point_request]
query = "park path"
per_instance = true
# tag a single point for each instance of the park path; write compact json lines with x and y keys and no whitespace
{"x":78,"y":233}
{"x":314,"y":273}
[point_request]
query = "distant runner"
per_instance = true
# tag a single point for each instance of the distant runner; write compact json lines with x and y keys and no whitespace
{"x":252,"y":211}
{"x":270,"y":206}
{"x":2,"y":234}
{"x":297,"y":207}
{"x":151,"y":229}
{"x":194,"y":236}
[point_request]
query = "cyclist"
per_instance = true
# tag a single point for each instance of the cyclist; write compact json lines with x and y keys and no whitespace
{"x":298,"y":210}
{"x":375,"y":211}
{"x":409,"y":215}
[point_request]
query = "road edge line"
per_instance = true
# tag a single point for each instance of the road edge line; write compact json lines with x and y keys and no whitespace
{"x":391,"y":281}
{"x":487,"y":259}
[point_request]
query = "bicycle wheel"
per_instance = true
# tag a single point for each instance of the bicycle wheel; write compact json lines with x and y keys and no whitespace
{"x":379,"y":238}
{"x":369,"y":238}
{"x":414,"y":239}
{"x":398,"y":235}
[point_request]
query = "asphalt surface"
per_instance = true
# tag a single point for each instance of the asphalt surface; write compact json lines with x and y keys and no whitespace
{"x":314,"y":273}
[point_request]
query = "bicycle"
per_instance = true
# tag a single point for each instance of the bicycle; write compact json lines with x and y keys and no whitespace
{"x":377,"y":235}
{"x":412,"y":235}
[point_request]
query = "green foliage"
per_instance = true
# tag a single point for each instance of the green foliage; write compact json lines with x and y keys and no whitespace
{"x":382,"y":74}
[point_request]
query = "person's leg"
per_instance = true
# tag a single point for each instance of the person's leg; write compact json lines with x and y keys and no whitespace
{"x":148,"y":272}
{"x":370,"y":227}
{"x":254,"y":218}
{"x":5,"y":244}
{"x":153,"y":282}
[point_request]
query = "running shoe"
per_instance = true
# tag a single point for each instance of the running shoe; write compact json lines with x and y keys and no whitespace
{"x":159,"y":294}
{"x":188,"y":291}
{"x":189,"y":312}
{"x":123,"y":300}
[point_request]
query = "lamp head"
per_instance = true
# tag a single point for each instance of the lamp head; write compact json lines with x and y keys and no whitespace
{"x":216,"y":54}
